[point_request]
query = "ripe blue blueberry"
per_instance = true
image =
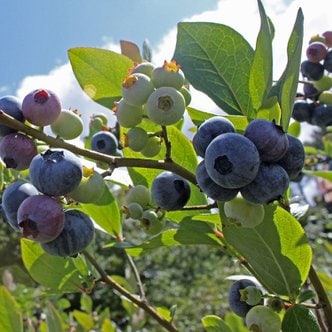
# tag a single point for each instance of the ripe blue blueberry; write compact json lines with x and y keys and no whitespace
{"x":170,"y":191}
{"x":17,"y":151}
{"x":293,"y":160}
{"x":104,"y":142}
{"x":328,"y":62}
{"x":13,"y":107}
{"x":235,"y":300}
{"x":208,"y":130}
{"x":77,"y":234}
{"x":232,"y":160}
{"x":270,"y":184}
{"x":40,"y":218}
{"x":212,"y":189}
{"x":270,"y":140}
{"x":12,"y":198}
{"x":322,"y":115}
{"x":313,"y":71}
{"x":302,"y":111}
{"x":56,"y":172}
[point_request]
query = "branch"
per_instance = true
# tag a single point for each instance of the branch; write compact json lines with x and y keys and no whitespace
{"x":140,"y":303}
{"x":112,"y":161}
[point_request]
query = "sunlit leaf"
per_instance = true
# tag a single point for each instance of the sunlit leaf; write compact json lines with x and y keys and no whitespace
{"x":213,"y":323}
{"x":216,"y":60}
{"x":130,"y":50}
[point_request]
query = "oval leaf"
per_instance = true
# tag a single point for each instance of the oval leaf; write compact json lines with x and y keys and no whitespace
{"x":299,"y":319}
{"x":57,"y":273}
{"x":216,"y":60}
{"x":213,"y":323}
{"x":277,"y":250}
{"x":11,"y":317}
{"x":100,"y":73}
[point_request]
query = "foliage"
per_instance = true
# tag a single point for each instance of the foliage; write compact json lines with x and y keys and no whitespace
{"x":199,"y":244}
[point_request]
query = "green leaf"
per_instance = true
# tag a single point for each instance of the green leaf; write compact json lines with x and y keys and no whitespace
{"x":57,"y":273}
{"x":11,"y":317}
{"x":286,"y":87}
{"x":105,"y":212}
{"x":326,"y":280}
{"x":147,"y":51}
{"x":214,"y":323}
{"x":299,"y":319}
{"x":107,"y":326}
{"x":260,"y":80}
{"x":276,"y":249}
{"x":216,"y":60}
{"x":294,"y":129}
{"x":306,"y":295}
{"x":235,"y":322}
{"x":189,"y":232}
{"x":53,"y":319}
{"x":84,"y":319}
{"x":165,"y":312}
{"x":100,"y":73}
{"x":270,"y":110}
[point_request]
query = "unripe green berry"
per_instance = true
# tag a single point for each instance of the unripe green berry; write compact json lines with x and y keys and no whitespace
{"x":169,"y":74}
{"x":134,"y":210}
{"x":263,"y":319}
{"x":150,"y":222}
{"x":251,"y":294}
{"x":91,"y":187}
{"x":102,"y":117}
{"x":138,"y":194}
{"x":275,"y":303}
{"x":186,"y":95}
{"x":325,"y":83}
{"x":136,"y":139}
{"x":136,"y":89}
{"x":165,"y":106}
{"x":68,"y":125}
{"x":245,"y":213}
{"x":143,"y":68}
{"x":128,"y":116}
{"x":325,"y":97}
{"x":152,"y":147}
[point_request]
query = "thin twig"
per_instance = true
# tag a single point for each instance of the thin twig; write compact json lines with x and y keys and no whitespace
{"x":140,"y":303}
{"x":168,"y":145}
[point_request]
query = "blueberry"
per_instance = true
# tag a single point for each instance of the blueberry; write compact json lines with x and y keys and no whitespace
{"x":12,"y":198}
{"x":293,"y":160}
{"x":313,"y":71}
{"x":77,"y":234}
{"x":17,"y":151}
{"x":138,"y":194}
{"x":208,"y":130}
{"x":322,"y":115}
{"x":328,"y":62}
{"x":13,"y":107}
{"x":270,"y":184}
{"x":316,"y":51}
{"x":264,"y":319}
{"x":56,"y":172}
{"x":105,"y":142}
{"x":151,"y":223}
{"x":270,"y":140}
{"x":212,"y":189}
{"x":170,"y":191}
{"x":310,"y":91}
{"x":236,"y":303}
{"x":232,"y":160}
{"x":40,"y":218}
{"x":41,"y":107}
{"x":302,"y":111}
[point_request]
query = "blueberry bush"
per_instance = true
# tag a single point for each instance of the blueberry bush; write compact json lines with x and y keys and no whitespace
{"x":228,"y":189}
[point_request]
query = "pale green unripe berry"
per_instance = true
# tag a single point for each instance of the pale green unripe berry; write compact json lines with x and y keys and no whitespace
{"x":151,"y":223}
{"x":128,"y":116}
{"x":325,"y":83}
{"x":68,"y":125}
{"x":169,"y":74}
{"x":186,"y":95}
{"x":91,"y":187}
{"x":152,"y":147}
{"x":143,"y":68}
{"x":263,"y":319}
{"x":136,"y":89}
{"x":134,"y":210}
{"x":136,"y":139}
{"x":247,"y":214}
{"x":251,"y":294}
{"x":325,"y":97}
{"x":138,"y":194}
{"x":165,"y":106}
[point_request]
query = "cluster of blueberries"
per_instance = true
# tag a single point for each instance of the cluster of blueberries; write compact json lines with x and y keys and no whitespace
{"x":34,"y":208}
{"x":246,"y":299}
{"x":314,"y":105}
{"x":258,"y":164}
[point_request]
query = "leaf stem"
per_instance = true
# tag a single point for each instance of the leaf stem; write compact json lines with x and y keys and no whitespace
{"x":168,"y":145}
{"x":139,"y":302}
{"x":112,"y":161}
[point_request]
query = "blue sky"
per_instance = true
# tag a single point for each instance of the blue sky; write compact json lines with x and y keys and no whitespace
{"x":36,"y":34}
